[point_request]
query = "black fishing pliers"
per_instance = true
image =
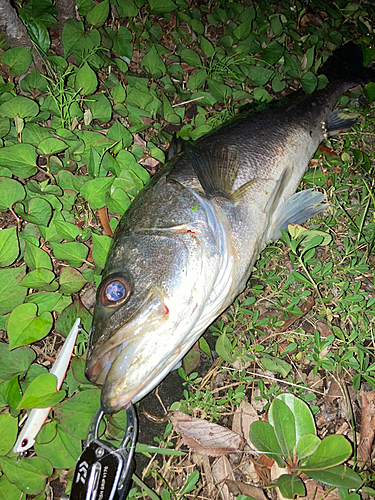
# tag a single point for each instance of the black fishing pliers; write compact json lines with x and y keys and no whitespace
{"x":102,"y":471}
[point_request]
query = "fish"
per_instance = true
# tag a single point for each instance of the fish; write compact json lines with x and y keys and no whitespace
{"x":186,"y":246}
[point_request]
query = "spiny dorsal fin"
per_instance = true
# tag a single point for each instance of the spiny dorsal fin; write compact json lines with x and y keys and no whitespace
{"x":217,"y":170}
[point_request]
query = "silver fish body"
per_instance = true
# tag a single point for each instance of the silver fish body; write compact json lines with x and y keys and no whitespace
{"x":186,"y":247}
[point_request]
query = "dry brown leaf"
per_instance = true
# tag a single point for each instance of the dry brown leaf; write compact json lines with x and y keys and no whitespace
{"x":314,"y":491}
{"x":104,"y":220}
{"x":237,"y":488}
{"x":204,"y":437}
{"x":367,"y":425}
{"x":243,"y":417}
{"x":222,"y":471}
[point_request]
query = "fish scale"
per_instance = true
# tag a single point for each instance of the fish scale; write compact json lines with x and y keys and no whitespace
{"x":186,"y":247}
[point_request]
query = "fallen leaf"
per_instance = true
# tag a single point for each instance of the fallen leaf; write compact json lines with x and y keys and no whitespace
{"x":205,"y":437}
{"x":243,"y":417}
{"x":314,"y":491}
{"x":222,"y":472}
{"x":366,"y":437}
{"x":237,"y":488}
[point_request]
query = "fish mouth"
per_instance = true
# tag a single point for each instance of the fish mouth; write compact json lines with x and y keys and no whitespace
{"x":116,"y":353}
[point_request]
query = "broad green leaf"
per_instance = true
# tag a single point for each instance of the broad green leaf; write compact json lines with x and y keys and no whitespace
{"x":272,"y":53}
{"x":40,"y":279}
{"x":259,"y":76}
{"x":263,"y":437}
{"x":68,"y":231}
{"x":20,"y":159}
{"x":29,"y":474}
{"x":38,"y":211}
{"x":36,"y":258}
{"x":223,"y":348}
{"x":197,"y":80}
{"x":34,"y":80}
{"x":25,"y":326}
{"x":86,"y":81}
{"x":9,"y":247}
{"x":63,"y":451}
{"x":305,"y":423}
{"x":340,"y":476}
{"x":126,"y":8}
{"x":11,"y":293}
{"x":76,"y":413}
{"x":98,"y":15}
{"x":153,"y":64}
{"x":18,"y":59}
{"x":309,"y":82}
{"x":191,"y":57}
{"x":118,"y":93}
{"x":13,"y":395}
{"x":19,"y":106}
{"x":370,"y":92}
{"x":160,"y":6}
{"x":275,"y":364}
{"x":9,"y":491}
{"x":47,"y":301}
{"x":11,"y":191}
{"x":71,"y":280}
{"x":8,"y":433}
{"x":41,"y":393}
{"x":39,"y":34}
{"x":15,"y":362}
{"x":94,"y":191}
{"x":101,"y":245}
{"x":74,"y":253}
{"x":100,"y":107}
{"x":73,"y":30}
{"x":290,"y":486}
{"x":190,"y":483}
{"x":118,"y":132}
{"x":70,"y":314}
{"x":306,"y":445}
{"x":51,"y":145}
{"x":284,"y":425}
{"x":118,"y":201}
{"x":332,"y":451}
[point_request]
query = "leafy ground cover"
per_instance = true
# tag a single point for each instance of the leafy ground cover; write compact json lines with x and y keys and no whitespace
{"x":82,"y":138}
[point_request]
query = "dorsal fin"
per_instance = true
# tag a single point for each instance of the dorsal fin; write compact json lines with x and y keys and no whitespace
{"x":217,"y":170}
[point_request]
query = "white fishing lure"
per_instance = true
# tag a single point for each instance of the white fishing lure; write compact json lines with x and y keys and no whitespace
{"x":37,"y":416}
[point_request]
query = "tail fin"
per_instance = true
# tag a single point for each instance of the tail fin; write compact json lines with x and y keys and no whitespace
{"x":346,"y":63}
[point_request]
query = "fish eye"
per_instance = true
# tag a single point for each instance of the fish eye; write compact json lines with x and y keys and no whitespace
{"x":115,"y":290}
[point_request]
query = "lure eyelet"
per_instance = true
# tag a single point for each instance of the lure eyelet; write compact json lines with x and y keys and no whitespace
{"x":115,"y":290}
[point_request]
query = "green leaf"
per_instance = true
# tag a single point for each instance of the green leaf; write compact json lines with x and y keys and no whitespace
{"x":223,"y":348}
{"x":370,"y":92}
{"x":73,"y":30}
{"x":76,"y":413}
{"x":118,"y":132}
{"x":259,"y":76}
{"x":153,"y":64}
{"x":49,"y":301}
{"x":70,"y":314}
{"x":11,"y":293}
{"x":8,"y":433}
{"x":86,"y":81}
{"x":9,"y":247}
{"x":290,"y":485}
{"x":16,"y":362}
{"x":100,"y":107}
{"x":41,"y":393}
{"x":126,"y":8}
{"x":9,"y":491}
{"x":67,"y":230}
{"x":51,"y":145}
{"x":305,"y":423}
{"x":190,"y":484}
{"x":39,"y":34}
{"x":306,"y":445}
{"x":28,"y":474}
{"x":40,"y":279}
{"x":19,"y":106}
{"x":274,"y":364}
{"x":161,"y":6}
{"x":98,"y":15}
{"x":340,"y":476}
{"x":74,"y":253}
{"x":332,"y":451}
{"x":101,"y":245}
{"x":284,"y":425}
{"x":38,"y":212}
{"x":272,"y":53}
{"x":191,"y":57}
{"x":263,"y":437}
{"x":197,"y":80}
{"x":18,"y":59}
{"x":71,"y":280}
{"x":25,"y":326}
{"x":36,"y":258}
{"x":63,"y":451}
{"x":94,"y":191}
{"x":11,"y":191}
{"x":309,"y":82}
{"x":20,"y":159}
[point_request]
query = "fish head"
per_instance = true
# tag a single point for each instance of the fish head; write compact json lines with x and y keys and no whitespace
{"x":151,"y":295}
